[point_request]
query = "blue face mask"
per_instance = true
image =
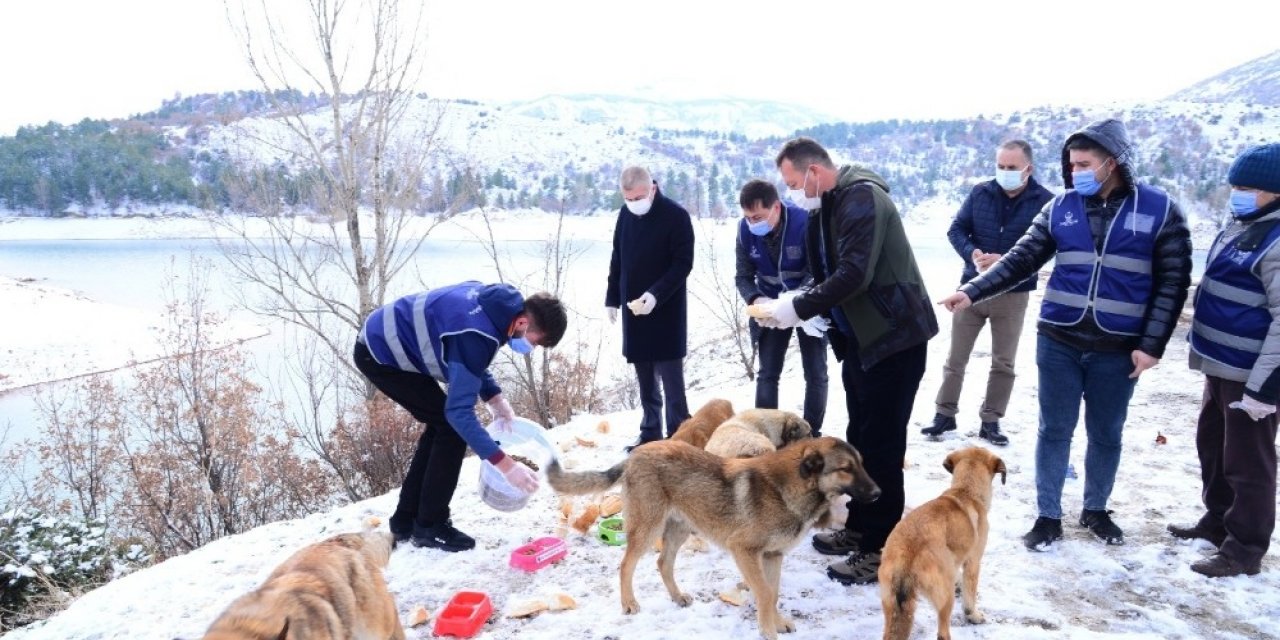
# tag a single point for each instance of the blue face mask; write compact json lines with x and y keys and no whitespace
{"x":1243,"y":203}
{"x":1086,"y":182}
{"x":521,"y":345}
{"x":760,"y":228}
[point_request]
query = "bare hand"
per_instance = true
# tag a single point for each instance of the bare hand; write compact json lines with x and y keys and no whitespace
{"x":1141,"y":362}
{"x":956,"y":302}
{"x":985,"y":260}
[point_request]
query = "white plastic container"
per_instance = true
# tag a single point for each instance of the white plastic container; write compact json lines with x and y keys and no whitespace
{"x":526,"y":438}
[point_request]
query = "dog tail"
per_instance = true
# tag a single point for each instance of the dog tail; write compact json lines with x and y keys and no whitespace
{"x":584,"y":482}
{"x":898,"y":597}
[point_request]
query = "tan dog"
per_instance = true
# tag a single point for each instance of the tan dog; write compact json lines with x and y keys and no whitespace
{"x":756,"y":508}
{"x":699,"y":427}
{"x":930,"y":545}
{"x":331,"y":590}
{"x":756,"y":431}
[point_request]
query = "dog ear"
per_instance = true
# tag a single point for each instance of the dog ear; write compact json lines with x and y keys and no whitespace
{"x":812,"y":463}
{"x":949,"y":464}
{"x":999,"y":468}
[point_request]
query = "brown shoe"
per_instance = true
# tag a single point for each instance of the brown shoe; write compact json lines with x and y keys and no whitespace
{"x":1198,"y":531}
{"x":1220,"y":566}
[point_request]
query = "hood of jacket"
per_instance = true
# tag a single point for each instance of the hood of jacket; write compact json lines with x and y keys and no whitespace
{"x":1111,"y":135}
{"x":851,"y":174}
{"x":501,"y":303}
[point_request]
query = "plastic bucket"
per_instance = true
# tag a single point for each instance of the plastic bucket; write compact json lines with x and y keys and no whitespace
{"x":527,"y":439}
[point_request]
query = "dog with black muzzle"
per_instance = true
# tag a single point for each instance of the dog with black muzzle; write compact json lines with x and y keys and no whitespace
{"x":756,"y":508}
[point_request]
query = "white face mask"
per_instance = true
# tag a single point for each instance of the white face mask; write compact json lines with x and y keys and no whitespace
{"x":1008,"y":179}
{"x":640,"y":207}
{"x":803,"y":201}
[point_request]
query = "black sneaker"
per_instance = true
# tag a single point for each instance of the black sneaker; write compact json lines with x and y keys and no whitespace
{"x":1199,"y":531}
{"x":1099,"y":522}
{"x":1043,"y":533}
{"x":941,"y":425}
{"x":862,"y":567}
{"x":840,"y":542}
{"x":639,"y":441}
{"x":990,"y":431}
{"x":442,"y":536}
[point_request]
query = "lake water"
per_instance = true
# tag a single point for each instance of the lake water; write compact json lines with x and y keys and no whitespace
{"x":133,"y":272}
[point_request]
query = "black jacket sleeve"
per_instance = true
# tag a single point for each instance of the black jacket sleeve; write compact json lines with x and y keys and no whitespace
{"x":857,"y":249}
{"x":1171,"y":276}
{"x":961,"y":231}
{"x":1033,"y":250}
{"x":745,"y":273}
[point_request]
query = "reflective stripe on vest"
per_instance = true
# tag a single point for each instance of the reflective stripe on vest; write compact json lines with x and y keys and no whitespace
{"x":791,"y":268}
{"x":1232,"y":316}
{"x":407,"y":334}
{"x":1117,"y":284}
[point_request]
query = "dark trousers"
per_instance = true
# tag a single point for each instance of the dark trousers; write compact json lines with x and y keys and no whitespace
{"x":671,"y":375}
{"x":1238,"y":467}
{"x":772,"y":349}
{"x":879,"y":402}
{"x":433,"y":473}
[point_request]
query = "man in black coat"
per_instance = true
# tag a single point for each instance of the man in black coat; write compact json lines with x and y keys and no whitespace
{"x":993,"y":217}
{"x":652,"y":258}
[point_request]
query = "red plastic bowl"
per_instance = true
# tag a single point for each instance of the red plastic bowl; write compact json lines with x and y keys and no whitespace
{"x":539,"y":553}
{"x":464,"y":614}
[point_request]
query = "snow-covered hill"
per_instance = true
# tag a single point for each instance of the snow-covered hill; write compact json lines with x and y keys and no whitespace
{"x":1256,"y":82}
{"x":750,"y":118}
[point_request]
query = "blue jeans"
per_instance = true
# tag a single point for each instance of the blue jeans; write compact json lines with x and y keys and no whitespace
{"x":1102,"y":379}
{"x":772,"y":346}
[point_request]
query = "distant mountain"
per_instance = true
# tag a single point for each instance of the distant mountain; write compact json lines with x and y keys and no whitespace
{"x":750,"y":118}
{"x":1254,"y":82}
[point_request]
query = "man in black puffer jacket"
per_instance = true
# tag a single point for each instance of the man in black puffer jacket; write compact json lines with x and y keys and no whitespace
{"x":1122,"y":266}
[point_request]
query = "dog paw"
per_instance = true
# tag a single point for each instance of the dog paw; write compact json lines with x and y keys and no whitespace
{"x":975,"y":617}
{"x":683,"y":599}
{"x":630,"y":606}
{"x":786,"y":624}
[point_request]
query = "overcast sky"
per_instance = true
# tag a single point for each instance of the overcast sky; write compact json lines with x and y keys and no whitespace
{"x":64,"y":60}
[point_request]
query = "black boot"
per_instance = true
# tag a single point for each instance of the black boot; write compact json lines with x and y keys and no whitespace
{"x":1043,"y":533}
{"x":941,"y":425}
{"x":990,"y":431}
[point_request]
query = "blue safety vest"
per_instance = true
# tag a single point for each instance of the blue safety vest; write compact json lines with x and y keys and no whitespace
{"x":1232,"y":316}
{"x":791,"y":267}
{"x":407,"y":333}
{"x":1116,"y":284}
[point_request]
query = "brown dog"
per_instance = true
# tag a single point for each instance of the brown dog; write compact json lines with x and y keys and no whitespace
{"x":930,"y":545}
{"x":756,"y":431}
{"x":331,"y":590}
{"x":699,"y":427}
{"x":756,"y":508}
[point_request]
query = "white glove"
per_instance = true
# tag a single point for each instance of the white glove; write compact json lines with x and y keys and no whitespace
{"x":518,"y":475}
{"x":643,"y":305}
{"x":783,"y":311}
{"x":815,"y":326}
{"x":503,"y":414}
{"x":613,"y":314}
{"x":1255,"y":409}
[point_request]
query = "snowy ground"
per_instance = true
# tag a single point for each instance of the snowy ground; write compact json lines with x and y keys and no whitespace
{"x":1080,"y":589}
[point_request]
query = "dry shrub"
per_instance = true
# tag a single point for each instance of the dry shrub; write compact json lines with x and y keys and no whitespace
{"x":370,"y":447}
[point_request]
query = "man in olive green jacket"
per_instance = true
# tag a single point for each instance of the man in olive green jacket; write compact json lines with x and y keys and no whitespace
{"x":866,"y":277}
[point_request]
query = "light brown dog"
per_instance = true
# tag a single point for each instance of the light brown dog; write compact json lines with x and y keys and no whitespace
{"x":698,"y":428}
{"x":330,"y":590}
{"x":756,"y":508}
{"x":756,"y":431}
{"x":931,"y":544}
